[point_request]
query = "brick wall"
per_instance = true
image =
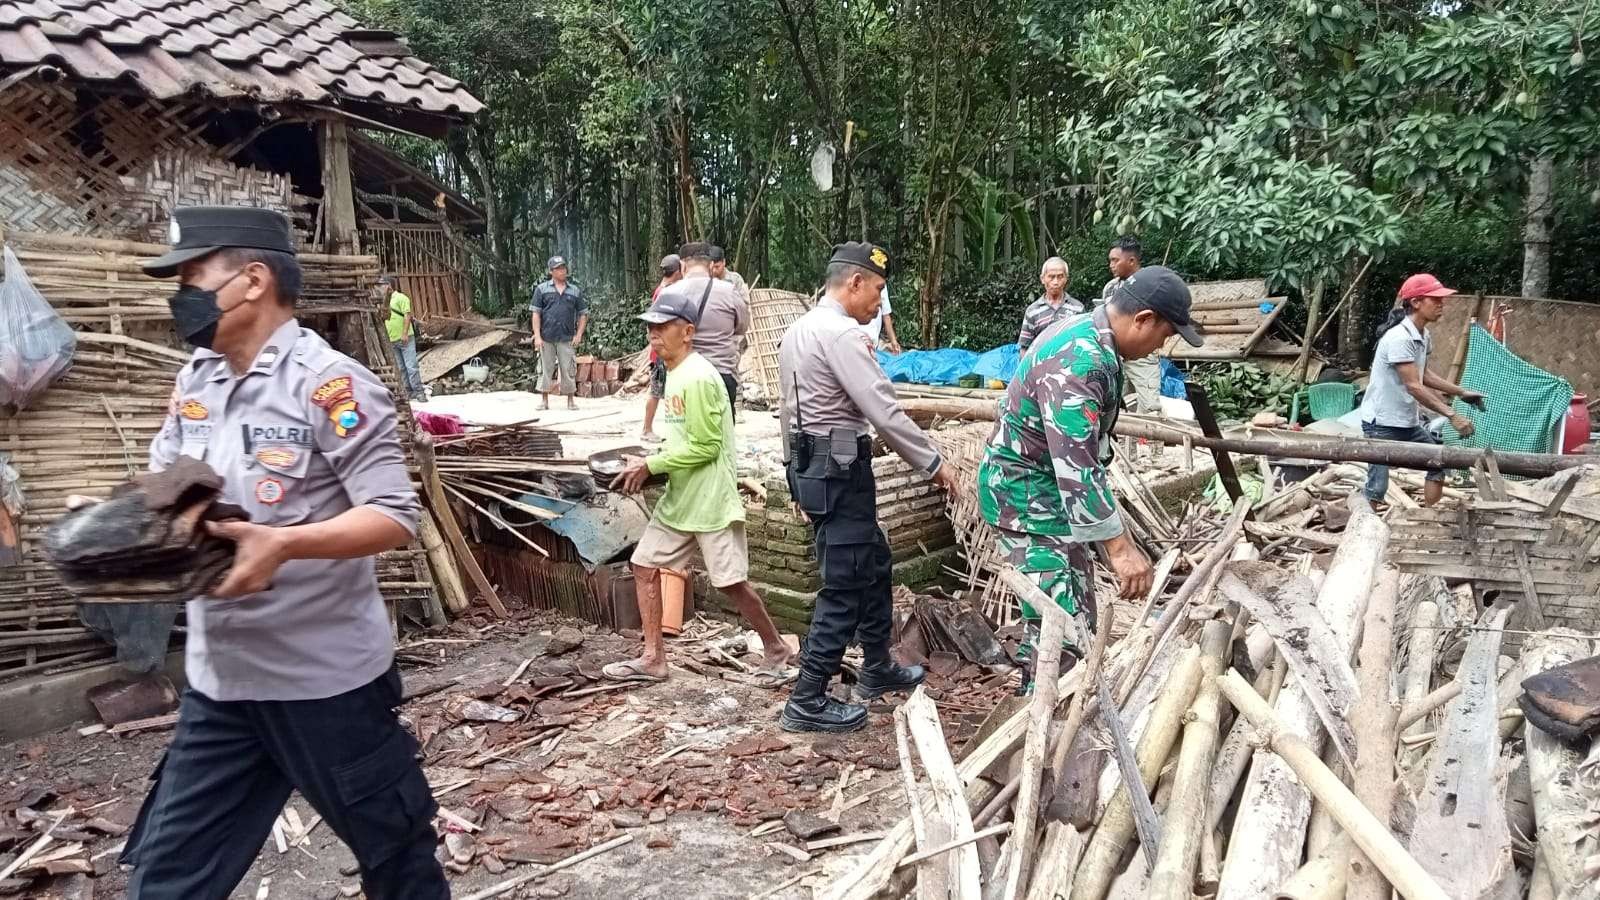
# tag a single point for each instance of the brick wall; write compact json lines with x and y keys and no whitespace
{"x":783,"y":562}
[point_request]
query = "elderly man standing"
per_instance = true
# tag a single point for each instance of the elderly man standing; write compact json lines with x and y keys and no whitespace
{"x":1052,"y":306}
{"x":560,"y":314}
{"x":402,"y":337}
{"x":834,"y":394}
{"x":1401,"y":385}
{"x":1144,"y":374}
{"x":1043,"y":481}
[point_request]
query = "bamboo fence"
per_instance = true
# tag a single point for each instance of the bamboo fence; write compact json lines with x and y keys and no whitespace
{"x":92,"y":429}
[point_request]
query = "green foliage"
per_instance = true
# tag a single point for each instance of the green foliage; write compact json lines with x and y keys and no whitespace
{"x":1240,"y":390}
{"x":614,"y":328}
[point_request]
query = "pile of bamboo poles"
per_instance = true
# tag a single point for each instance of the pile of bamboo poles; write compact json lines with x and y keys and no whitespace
{"x":92,"y":429}
{"x":1293,"y":737}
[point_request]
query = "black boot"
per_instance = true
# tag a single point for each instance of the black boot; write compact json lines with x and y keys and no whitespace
{"x":811,"y":709}
{"x":882,"y":676}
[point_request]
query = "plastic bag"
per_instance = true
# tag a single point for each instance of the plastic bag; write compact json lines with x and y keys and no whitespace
{"x":35,"y":344}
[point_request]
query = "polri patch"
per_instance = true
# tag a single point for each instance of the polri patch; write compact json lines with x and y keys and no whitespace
{"x":337,"y":396}
{"x":194,"y":410}
{"x":277,"y":457}
{"x":269,"y":491}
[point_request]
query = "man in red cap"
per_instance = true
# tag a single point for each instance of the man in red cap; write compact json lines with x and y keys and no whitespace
{"x":1402,"y":387}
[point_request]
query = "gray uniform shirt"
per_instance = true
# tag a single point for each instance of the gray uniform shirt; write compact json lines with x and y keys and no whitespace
{"x":720,"y":335}
{"x":1387,"y":402}
{"x":831,"y":379}
{"x":305,"y":434}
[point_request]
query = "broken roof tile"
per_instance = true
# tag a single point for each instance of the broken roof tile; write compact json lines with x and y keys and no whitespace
{"x":276,"y":50}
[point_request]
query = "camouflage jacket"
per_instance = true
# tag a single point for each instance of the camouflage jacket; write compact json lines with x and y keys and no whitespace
{"x":1105,"y":292}
{"x":1043,"y":471}
{"x":1041,"y":315}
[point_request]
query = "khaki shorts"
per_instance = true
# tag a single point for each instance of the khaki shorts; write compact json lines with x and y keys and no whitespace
{"x":558,"y":358}
{"x":726,"y":555}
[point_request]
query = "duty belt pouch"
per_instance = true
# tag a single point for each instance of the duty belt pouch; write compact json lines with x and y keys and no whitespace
{"x":841,"y":452}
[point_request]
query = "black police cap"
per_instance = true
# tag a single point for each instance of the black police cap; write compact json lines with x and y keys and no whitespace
{"x":197,"y":231}
{"x":859,"y":253}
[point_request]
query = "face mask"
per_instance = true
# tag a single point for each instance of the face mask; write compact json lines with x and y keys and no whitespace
{"x":195,"y":312}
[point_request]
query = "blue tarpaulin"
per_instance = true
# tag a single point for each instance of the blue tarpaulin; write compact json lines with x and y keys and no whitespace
{"x":928,"y":366}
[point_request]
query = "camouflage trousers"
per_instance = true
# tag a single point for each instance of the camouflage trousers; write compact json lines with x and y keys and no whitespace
{"x":1063,"y":570}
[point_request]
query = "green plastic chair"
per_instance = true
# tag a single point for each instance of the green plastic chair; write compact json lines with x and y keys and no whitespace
{"x":1328,"y":400}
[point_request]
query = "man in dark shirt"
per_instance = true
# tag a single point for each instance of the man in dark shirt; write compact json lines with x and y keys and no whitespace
{"x":560,"y":313}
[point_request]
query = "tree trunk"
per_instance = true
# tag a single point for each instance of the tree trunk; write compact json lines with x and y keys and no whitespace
{"x":1350,"y":339}
{"x":1312,"y":320}
{"x":632,"y":270}
{"x":1538,"y":214}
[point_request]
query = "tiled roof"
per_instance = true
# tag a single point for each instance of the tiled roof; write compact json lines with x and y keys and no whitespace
{"x":264,"y":50}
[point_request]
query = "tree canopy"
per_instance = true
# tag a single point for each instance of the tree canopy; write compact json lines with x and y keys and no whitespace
{"x":1295,"y":141}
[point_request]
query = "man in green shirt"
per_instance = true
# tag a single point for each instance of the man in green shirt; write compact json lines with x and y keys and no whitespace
{"x":403,"y":337}
{"x":701,"y":507}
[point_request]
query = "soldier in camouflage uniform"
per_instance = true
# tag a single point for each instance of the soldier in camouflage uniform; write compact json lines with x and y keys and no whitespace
{"x":1143,"y":374}
{"x":1052,"y":306}
{"x":1043,"y":483}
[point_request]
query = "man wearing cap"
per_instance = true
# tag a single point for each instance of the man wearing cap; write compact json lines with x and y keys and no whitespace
{"x":1052,"y":306}
{"x":833,"y":394}
{"x":723,"y":317}
{"x":402,"y":336}
{"x":1043,"y":483}
{"x":701,"y":507}
{"x":1401,"y":386}
{"x":290,"y":663}
{"x":719,"y":269}
{"x":671,"y":273}
{"x":1143,"y":374}
{"x":560,"y":314}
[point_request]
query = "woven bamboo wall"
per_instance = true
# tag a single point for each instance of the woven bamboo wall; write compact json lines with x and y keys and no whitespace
{"x":92,"y":429}
{"x":771,"y":314}
{"x":115,"y":165}
{"x":431,"y":266}
{"x":1556,"y":335}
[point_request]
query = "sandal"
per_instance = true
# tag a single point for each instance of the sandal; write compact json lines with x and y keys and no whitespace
{"x":628,"y":671}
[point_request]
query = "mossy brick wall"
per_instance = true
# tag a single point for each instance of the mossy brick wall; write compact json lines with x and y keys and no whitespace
{"x":783,"y":561}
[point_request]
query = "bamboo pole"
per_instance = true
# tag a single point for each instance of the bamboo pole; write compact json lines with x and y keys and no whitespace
{"x":1173,"y":877}
{"x":1035,"y":745}
{"x":1372,"y":836}
{"x":1323,"y":878}
{"x":1104,"y":854}
{"x":444,"y":568}
{"x":1374,"y":721}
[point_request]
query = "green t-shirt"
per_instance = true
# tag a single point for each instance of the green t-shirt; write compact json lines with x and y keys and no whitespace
{"x":399,"y":308}
{"x":698,"y":459}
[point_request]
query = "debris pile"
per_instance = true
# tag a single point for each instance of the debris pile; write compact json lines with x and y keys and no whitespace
{"x":1288,"y":723}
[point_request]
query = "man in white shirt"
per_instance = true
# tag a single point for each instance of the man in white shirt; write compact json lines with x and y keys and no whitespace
{"x":882,"y":322}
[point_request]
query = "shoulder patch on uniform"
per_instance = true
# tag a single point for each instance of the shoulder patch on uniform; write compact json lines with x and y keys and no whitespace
{"x":193,"y":410}
{"x":337,"y":396}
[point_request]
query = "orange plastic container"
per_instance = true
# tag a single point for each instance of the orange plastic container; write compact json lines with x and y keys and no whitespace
{"x":673,"y":586}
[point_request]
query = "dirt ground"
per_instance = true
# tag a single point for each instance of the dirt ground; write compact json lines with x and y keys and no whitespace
{"x":695,"y":770}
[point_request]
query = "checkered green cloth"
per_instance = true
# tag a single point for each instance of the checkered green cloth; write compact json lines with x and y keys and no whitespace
{"x":1524,"y":403}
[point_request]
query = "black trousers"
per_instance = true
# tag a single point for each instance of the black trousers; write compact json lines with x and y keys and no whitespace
{"x":231,"y":767}
{"x":732,"y":384}
{"x":857,"y":568}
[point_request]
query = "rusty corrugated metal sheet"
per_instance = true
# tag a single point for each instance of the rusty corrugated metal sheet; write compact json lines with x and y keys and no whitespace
{"x":267,"y":50}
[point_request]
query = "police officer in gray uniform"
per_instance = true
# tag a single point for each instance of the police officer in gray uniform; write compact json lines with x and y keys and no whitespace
{"x":290,"y":663}
{"x":832,"y":390}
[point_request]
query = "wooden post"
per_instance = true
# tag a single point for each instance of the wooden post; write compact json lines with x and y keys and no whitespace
{"x":1035,"y":744}
{"x":338,"y":189}
{"x":433,"y":489}
{"x":1375,"y":726}
{"x":1372,"y":836}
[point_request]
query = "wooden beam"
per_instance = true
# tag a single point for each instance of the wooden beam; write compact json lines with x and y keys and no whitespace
{"x":338,"y":191}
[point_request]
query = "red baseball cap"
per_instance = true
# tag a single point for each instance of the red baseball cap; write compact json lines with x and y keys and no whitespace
{"x":1423,"y":285}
